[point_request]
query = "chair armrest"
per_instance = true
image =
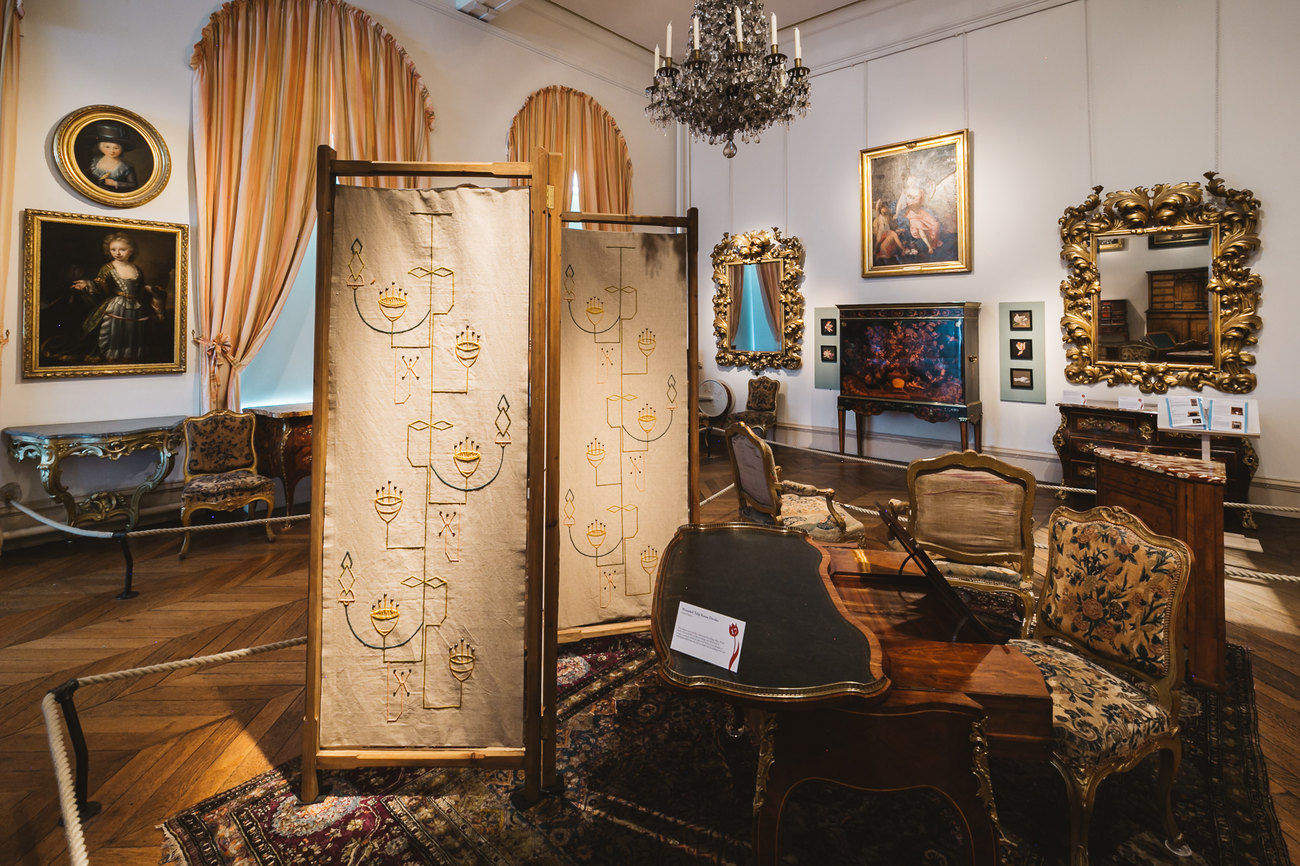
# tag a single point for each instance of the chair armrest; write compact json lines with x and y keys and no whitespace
{"x":828,"y":493}
{"x":901,"y":511}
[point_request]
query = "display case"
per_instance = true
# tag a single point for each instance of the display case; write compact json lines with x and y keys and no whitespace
{"x":922,"y":359}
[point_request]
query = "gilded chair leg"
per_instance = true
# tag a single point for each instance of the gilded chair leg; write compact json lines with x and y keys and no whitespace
{"x":185,"y":543}
{"x":270,"y":505}
{"x":1027,"y":608}
{"x":1170,"y":758}
{"x":1081,"y":794}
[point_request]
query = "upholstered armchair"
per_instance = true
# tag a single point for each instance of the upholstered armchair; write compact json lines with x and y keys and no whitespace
{"x":765,"y":498}
{"x":1108,"y":638}
{"x":221,"y":468}
{"x":974,"y":515}
{"x":760,"y":405}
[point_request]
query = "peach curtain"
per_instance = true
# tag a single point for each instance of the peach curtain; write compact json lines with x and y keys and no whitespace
{"x":570,"y":122}
{"x":10,"y":14}
{"x":272,"y":81}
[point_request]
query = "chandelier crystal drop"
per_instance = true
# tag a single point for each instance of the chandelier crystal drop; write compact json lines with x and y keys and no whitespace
{"x":734,"y":82}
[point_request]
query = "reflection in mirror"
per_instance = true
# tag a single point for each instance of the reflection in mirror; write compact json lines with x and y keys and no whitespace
{"x":1159,"y":293}
{"x":758,"y":319}
{"x":758,"y":308}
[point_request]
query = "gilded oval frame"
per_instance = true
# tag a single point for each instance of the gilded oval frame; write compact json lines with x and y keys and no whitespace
{"x":73,"y":147}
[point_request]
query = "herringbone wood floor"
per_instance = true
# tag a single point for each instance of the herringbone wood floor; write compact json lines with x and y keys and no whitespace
{"x":161,"y":743}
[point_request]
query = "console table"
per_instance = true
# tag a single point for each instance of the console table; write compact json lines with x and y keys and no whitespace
{"x":282,"y":438}
{"x":1085,"y":428}
{"x":51,"y":444}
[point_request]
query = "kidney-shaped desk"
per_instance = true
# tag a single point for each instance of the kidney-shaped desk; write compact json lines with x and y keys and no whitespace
{"x":837,"y":702}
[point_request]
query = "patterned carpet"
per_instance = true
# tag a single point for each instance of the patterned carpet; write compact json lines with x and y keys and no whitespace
{"x":650,"y":777}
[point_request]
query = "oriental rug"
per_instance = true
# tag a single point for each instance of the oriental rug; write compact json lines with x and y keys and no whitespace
{"x":650,"y":776}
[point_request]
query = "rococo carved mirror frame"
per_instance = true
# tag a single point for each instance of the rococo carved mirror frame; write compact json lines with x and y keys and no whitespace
{"x":1233,"y":288}
{"x":751,"y":248}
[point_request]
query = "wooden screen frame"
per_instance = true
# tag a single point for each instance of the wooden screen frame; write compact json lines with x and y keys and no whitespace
{"x":542,"y":452}
{"x":551,"y":634}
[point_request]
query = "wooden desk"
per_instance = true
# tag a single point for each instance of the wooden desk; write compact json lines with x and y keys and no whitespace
{"x":282,"y":438}
{"x":51,"y":444}
{"x":928,"y":724}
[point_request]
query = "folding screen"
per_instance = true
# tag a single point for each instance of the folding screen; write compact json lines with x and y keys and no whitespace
{"x":425,"y":594}
{"x":627,"y":417}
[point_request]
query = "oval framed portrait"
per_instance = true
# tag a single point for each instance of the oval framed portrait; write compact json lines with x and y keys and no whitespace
{"x":111,"y":156}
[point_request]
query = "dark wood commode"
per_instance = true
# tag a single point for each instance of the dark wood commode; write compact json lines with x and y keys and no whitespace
{"x":1103,"y":424}
{"x":922,"y":359}
{"x":1182,"y":497}
{"x":282,"y":438}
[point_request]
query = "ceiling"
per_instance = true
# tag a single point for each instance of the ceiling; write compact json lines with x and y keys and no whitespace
{"x":643,"y":21}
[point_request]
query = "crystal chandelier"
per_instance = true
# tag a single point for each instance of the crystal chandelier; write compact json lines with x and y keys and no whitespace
{"x":733,"y":82}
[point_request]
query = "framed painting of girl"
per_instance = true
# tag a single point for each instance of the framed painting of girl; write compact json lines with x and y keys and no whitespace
{"x":103,"y":296}
{"x":111,"y":156}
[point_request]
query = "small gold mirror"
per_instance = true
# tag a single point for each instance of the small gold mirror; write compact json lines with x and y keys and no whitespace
{"x":1159,"y":294}
{"x":758,"y":308}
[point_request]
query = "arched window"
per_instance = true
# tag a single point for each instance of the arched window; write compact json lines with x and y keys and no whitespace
{"x":595,"y":153}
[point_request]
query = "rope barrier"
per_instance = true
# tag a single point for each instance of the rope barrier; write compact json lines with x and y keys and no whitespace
{"x":56,"y":733}
{"x":72,"y":796}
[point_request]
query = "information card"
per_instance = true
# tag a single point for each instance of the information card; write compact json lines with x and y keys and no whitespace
{"x":708,"y":636}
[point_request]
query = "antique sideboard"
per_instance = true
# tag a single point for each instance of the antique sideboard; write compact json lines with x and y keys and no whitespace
{"x":282,"y":437}
{"x":922,"y":359}
{"x":1103,"y":424}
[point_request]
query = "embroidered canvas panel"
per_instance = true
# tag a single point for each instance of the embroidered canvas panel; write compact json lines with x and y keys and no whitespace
{"x":624,"y":430}
{"x":422,"y":642}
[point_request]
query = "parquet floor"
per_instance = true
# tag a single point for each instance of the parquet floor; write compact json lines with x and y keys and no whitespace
{"x":161,"y":743}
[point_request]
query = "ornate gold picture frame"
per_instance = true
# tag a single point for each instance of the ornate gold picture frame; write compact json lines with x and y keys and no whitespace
{"x":916,"y":207}
{"x":111,"y":156}
{"x":103,"y":296}
{"x":757,"y":276}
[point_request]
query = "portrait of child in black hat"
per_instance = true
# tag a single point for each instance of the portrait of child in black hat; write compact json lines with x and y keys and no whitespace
{"x":106,"y":168}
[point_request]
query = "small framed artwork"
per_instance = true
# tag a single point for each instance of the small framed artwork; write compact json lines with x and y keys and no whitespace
{"x":111,"y":156}
{"x":1021,"y":349}
{"x":1022,"y":378}
{"x":916,"y":207}
{"x":1178,"y":238}
{"x":830,"y":354}
{"x":1110,"y":243}
{"x":829,"y":327}
{"x":103,"y":296}
{"x":1022,"y":320}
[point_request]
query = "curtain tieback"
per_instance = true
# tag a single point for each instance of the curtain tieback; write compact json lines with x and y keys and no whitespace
{"x":217,"y":349}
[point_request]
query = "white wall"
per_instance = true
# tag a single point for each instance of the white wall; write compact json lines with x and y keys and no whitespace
{"x":1058,"y":96}
{"x":76,"y":53}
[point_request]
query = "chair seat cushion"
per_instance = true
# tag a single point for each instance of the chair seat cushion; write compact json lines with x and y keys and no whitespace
{"x":1095,"y":714}
{"x":808,"y":514}
{"x":755,"y":418}
{"x":1001,"y":575}
{"x":240,"y":484}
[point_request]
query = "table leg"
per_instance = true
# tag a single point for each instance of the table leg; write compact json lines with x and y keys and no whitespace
{"x":859,"y":421}
{"x":841,"y":414}
{"x":962,"y":422}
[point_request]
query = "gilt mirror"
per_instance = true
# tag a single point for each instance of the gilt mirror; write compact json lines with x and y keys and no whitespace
{"x":1159,"y":292}
{"x":757,"y":305}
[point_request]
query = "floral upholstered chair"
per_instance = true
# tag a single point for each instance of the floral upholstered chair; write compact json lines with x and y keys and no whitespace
{"x":760,"y":405}
{"x":974,"y":515}
{"x":221,"y":468}
{"x":765,"y":498}
{"x":1108,"y":639}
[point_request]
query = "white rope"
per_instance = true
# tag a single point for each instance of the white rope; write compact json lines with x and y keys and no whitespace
{"x":731,"y":486}
{"x":198,"y":661}
{"x":172,"y":530}
{"x":56,"y":734}
{"x":75,"y":530}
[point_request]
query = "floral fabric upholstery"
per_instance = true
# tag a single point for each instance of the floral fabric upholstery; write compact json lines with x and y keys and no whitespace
{"x":218,"y":442}
{"x":808,"y":515}
{"x":1109,"y":590}
{"x":1096,"y":715}
{"x":241,"y":484}
{"x":970,"y":571}
{"x":760,"y":405}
